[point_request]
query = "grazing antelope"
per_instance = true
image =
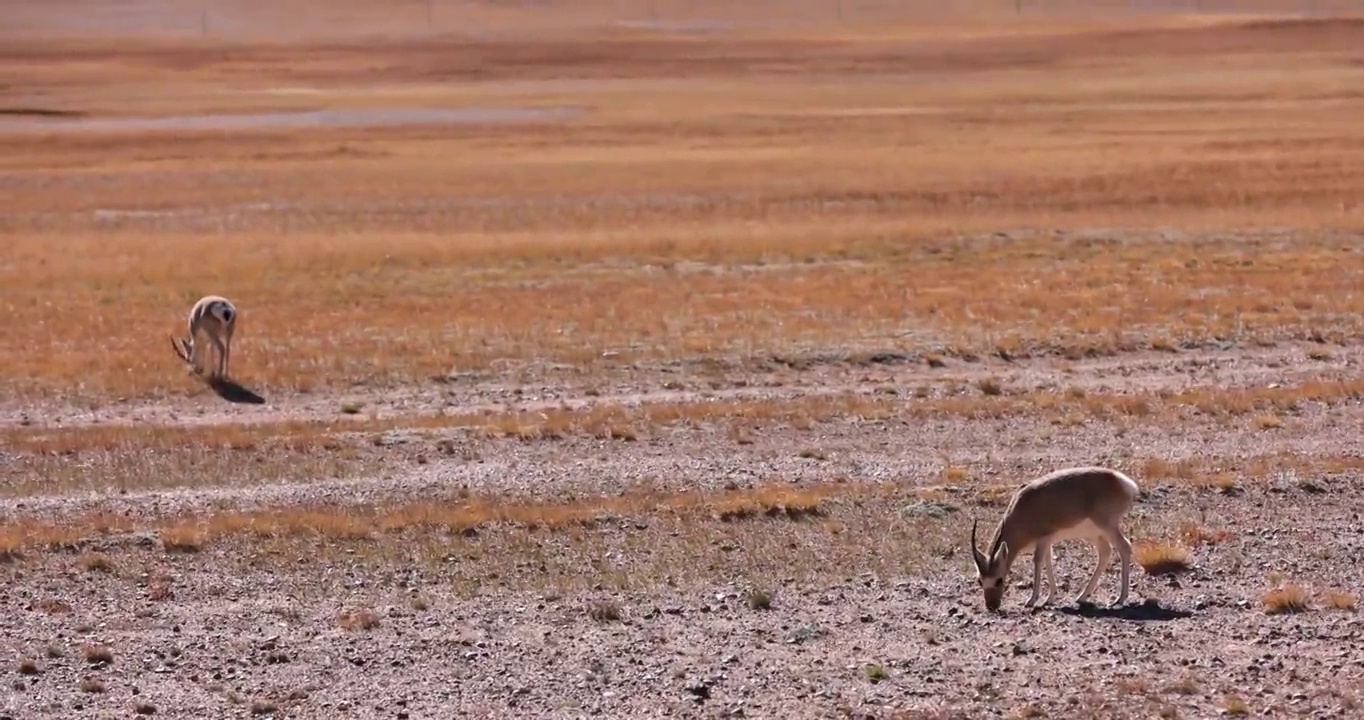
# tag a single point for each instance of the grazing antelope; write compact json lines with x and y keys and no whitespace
{"x":1075,"y":503}
{"x":214,"y":317}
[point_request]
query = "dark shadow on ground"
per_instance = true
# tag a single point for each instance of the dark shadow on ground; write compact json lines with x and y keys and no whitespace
{"x":41,"y":112}
{"x":1148,"y":611}
{"x":232,"y":392}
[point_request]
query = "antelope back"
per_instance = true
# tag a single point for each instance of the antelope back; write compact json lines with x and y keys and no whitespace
{"x":1066,"y":498}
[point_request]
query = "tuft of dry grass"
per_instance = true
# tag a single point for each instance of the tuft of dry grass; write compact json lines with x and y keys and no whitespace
{"x":98,"y":655}
{"x":1194,"y":535}
{"x":875,"y":673}
{"x":91,"y":685}
{"x":955,"y":474}
{"x":1341,"y":600}
{"x":357,"y":619}
{"x":1232,"y":705}
{"x":759,"y":599}
{"x":1159,"y":558}
{"x":605,"y":610}
{"x":1287,"y":598}
{"x":1268,"y":421}
{"x":96,"y":562}
{"x":990,"y":386}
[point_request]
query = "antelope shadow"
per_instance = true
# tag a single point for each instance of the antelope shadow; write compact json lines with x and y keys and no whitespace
{"x":234,"y":392}
{"x":1148,"y":611}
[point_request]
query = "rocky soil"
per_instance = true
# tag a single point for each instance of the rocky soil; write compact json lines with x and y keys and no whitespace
{"x":862,"y":625}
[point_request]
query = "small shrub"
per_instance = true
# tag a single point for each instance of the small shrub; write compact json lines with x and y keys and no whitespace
{"x":91,"y":685}
{"x":759,"y":600}
{"x":875,"y":673}
{"x":1232,"y":705}
{"x":28,"y":667}
{"x":98,"y":655}
{"x":1286,"y":599}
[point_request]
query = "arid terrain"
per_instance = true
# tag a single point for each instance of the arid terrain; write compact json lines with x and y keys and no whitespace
{"x":615,"y":369}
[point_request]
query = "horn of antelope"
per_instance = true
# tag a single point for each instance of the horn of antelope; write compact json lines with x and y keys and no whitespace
{"x":981,"y":560}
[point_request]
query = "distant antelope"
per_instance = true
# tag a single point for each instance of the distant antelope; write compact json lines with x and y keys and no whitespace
{"x":215,"y":318}
{"x":1076,"y":503}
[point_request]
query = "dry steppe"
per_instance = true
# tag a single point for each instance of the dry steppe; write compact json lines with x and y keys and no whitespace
{"x":620,"y":370}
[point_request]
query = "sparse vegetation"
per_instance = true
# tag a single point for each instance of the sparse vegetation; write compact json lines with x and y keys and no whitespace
{"x":358,"y":619}
{"x":797,"y":318}
{"x":1158,"y":558}
{"x":604,"y":610}
{"x":1342,"y":600}
{"x":96,"y":562}
{"x":98,"y":655}
{"x":875,"y":673}
{"x":1287,"y":598}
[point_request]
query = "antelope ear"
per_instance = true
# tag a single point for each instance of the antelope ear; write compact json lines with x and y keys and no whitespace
{"x":1001,"y":552}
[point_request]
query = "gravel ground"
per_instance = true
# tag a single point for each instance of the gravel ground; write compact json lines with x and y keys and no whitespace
{"x":861,"y":626}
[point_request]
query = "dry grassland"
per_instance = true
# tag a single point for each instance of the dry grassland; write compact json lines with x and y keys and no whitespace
{"x":95,"y":458}
{"x":722,"y":197}
{"x":777,"y":308}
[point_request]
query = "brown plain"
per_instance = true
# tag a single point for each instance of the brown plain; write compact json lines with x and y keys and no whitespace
{"x":759,"y":308}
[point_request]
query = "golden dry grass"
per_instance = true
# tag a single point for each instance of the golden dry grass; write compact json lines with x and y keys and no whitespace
{"x":1287,"y":598}
{"x":358,"y":619}
{"x":1159,"y":558}
{"x":654,"y":536}
{"x":450,"y":517}
{"x":728,"y":196}
{"x":1341,"y":600}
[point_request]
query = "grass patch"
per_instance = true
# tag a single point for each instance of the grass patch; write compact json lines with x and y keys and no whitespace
{"x":1342,"y":600}
{"x":1286,"y":599}
{"x":466,"y":515}
{"x":357,"y":619}
{"x":1158,"y":558}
